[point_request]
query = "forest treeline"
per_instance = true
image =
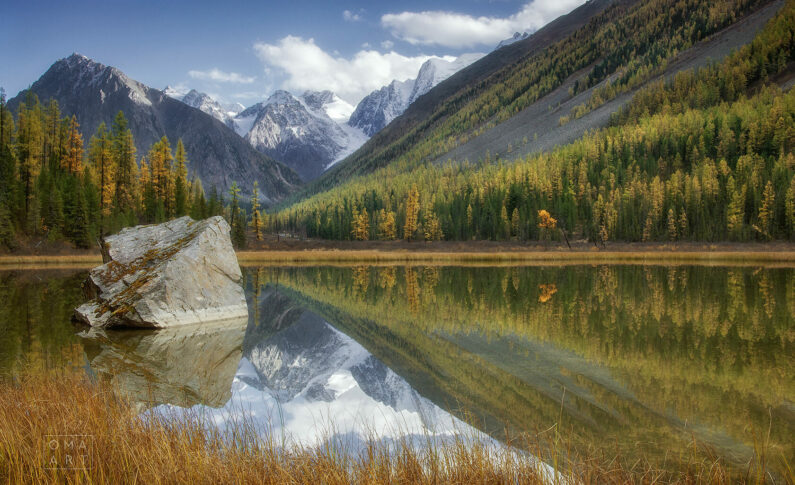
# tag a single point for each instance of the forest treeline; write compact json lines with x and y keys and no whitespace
{"x":53,"y":185}
{"x":706,"y":156}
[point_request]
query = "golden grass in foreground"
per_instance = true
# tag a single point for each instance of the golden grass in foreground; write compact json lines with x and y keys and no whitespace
{"x":128,"y":449}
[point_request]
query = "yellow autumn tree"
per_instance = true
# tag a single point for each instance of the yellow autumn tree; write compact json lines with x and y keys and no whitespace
{"x":361,"y":225}
{"x":412,"y":213}
{"x":433,"y":228}
{"x":387,"y":228}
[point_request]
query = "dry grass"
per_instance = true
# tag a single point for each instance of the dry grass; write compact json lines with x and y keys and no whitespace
{"x":125,"y":448}
{"x":661,"y":255}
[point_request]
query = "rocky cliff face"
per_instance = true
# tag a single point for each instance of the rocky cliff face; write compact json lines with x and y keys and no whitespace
{"x":95,"y":93}
{"x":303,"y":132}
{"x":176,"y":273}
{"x":380,"y":107}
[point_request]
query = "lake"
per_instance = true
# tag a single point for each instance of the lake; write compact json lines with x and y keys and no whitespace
{"x":641,"y":361}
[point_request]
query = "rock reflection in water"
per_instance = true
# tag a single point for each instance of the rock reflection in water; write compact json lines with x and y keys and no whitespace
{"x":183,"y":366}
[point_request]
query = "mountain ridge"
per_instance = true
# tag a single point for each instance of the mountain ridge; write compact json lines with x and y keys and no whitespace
{"x":95,"y":93}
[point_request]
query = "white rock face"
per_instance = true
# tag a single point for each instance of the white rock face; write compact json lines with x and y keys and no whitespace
{"x":307,"y":133}
{"x":176,"y":273}
{"x":380,"y":107}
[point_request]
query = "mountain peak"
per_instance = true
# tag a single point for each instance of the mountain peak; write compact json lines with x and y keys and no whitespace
{"x":281,"y":97}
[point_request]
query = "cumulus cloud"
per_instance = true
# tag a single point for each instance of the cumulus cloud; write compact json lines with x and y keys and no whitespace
{"x":458,"y":30}
{"x":350,"y":16}
{"x":220,"y":76}
{"x":387,"y":44}
{"x":307,"y":66}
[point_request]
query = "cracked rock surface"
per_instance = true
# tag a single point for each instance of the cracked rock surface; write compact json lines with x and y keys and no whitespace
{"x":177,"y":273}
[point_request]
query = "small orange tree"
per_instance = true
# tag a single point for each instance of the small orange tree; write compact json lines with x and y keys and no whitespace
{"x":546,"y":223}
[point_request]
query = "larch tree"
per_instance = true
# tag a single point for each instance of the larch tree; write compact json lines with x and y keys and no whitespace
{"x":412,"y":213}
{"x":387,"y":228}
{"x":256,"y":216}
{"x":361,"y":225}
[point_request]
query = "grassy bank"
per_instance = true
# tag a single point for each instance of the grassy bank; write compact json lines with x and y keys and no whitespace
{"x":420,"y":255}
{"x":123,"y":448}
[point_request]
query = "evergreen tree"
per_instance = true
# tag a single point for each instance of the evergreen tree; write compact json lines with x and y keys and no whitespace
{"x":256,"y":216}
{"x":181,"y":181}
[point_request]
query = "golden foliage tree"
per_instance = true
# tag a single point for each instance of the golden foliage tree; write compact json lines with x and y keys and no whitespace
{"x":412,"y":213}
{"x":361,"y":225}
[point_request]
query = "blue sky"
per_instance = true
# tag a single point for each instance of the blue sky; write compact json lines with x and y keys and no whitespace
{"x":243,"y":51}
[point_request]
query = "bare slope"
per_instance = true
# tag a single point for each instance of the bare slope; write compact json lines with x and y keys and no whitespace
{"x":540,"y":125}
{"x":444,"y":99}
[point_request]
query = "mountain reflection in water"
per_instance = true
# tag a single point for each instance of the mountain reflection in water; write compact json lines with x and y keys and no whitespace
{"x":304,"y":382}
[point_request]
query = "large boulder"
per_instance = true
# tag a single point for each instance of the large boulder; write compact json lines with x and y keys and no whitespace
{"x":176,"y":273}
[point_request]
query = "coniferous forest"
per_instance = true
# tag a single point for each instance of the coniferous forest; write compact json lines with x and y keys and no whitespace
{"x":56,"y":186}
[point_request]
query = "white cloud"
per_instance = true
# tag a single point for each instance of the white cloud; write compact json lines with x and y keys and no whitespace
{"x":387,"y":44}
{"x":350,"y":16}
{"x":458,"y":30}
{"x":220,"y":76}
{"x":307,"y":66}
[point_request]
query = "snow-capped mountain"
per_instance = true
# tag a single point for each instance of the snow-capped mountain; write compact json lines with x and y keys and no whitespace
{"x":95,"y":93}
{"x":222,"y":112}
{"x":307,"y":133}
{"x":380,"y":107}
{"x":515,"y":38}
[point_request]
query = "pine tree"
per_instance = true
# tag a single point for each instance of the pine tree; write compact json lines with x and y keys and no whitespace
{"x":789,"y":207}
{"x":73,"y":161}
{"x":735,"y":215}
{"x":29,"y":153}
{"x":239,"y":229}
{"x":672,"y":230}
{"x":412,"y":213}
{"x":766,"y":210}
{"x":256,"y":216}
{"x":127,"y":189}
{"x":515,"y":223}
{"x":100,"y":158}
{"x":181,"y":181}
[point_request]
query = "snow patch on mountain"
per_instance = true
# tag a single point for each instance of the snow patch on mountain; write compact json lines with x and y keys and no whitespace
{"x":380,"y":107}
{"x":306,"y":132}
{"x":206,"y":103}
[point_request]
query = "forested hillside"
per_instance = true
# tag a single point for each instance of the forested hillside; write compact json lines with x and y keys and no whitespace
{"x":50,"y":189}
{"x":706,"y":156}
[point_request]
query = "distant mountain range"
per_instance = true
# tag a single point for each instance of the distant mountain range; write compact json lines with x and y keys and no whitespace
{"x":313,"y":131}
{"x":279,"y":142}
{"x":217,"y":155}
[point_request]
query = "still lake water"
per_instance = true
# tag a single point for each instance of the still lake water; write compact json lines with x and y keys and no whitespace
{"x":639,"y":360}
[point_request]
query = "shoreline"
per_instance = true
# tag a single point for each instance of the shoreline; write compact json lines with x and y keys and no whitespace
{"x":479,"y":253}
